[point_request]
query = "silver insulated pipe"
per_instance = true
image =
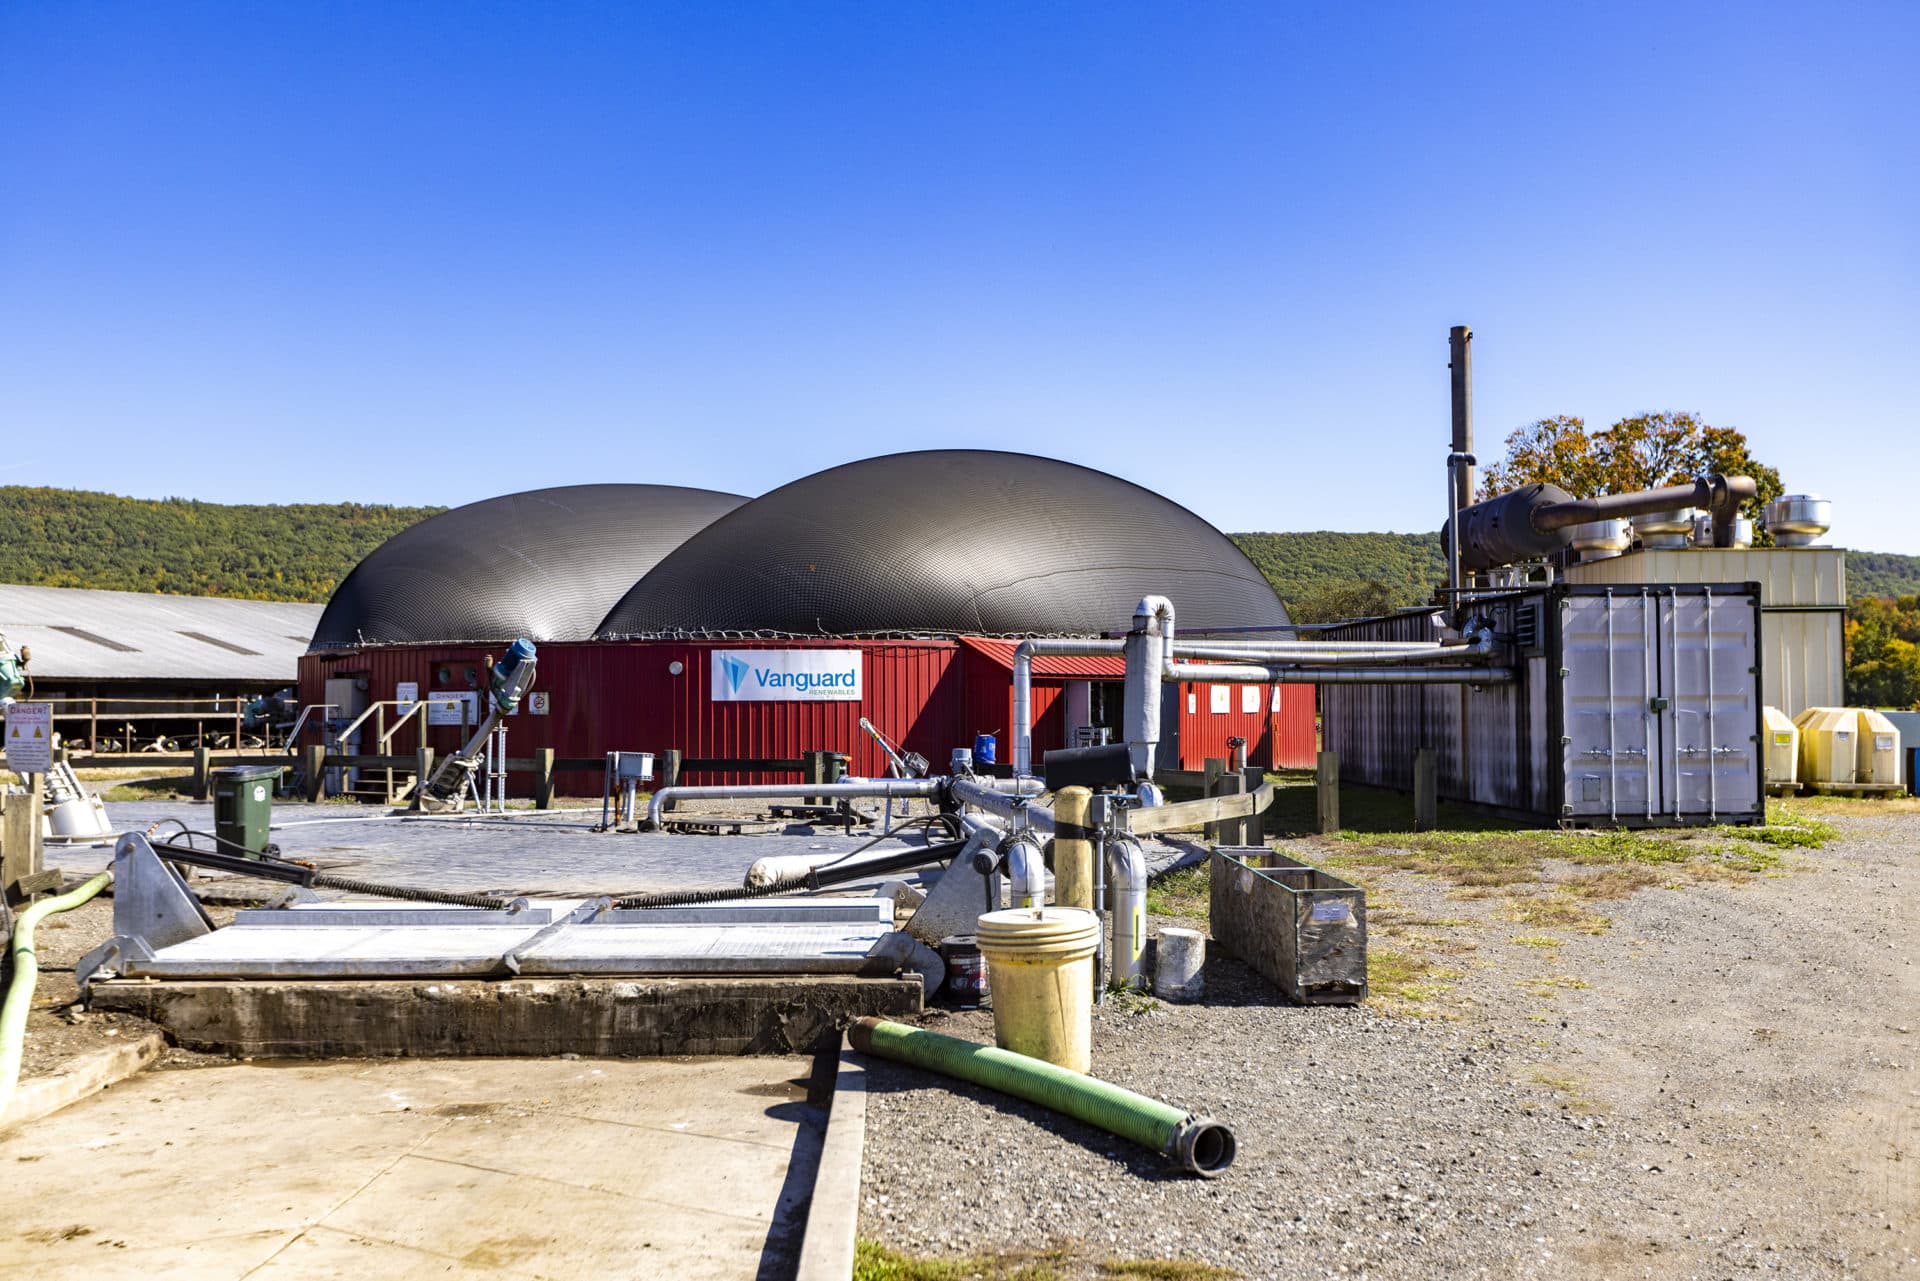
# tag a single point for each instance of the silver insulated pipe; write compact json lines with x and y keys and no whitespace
{"x":1127,"y":902}
{"x":871,"y":787}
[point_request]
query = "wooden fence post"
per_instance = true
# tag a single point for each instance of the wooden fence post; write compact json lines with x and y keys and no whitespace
{"x":422,"y":768}
{"x":1213,"y":771}
{"x":313,"y":766}
{"x":1326,"y":778}
{"x":670,"y":767}
{"x":202,"y":767}
{"x":1426,"y":791}
{"x":543,"y":778}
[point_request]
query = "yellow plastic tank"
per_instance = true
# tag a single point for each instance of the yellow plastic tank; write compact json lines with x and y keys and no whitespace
{"x":1879,"y":751}
{"x":1848,"y":748}
{"x":1782,"y":749}
{"x":1040,"y":968}
{"x":1829,"y":755}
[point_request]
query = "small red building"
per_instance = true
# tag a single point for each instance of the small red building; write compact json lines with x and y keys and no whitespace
{"x":929,"y":696}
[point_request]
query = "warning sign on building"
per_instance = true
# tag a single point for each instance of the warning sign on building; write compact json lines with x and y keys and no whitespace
{"x":30,"y":737}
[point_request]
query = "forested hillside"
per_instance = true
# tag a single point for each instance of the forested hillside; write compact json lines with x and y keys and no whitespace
{"x":1882,"y":574}
{"x":71,"y":538}
{"x":1325,"y":575}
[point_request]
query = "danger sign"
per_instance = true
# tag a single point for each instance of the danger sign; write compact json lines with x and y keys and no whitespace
{"x":29,"y":737}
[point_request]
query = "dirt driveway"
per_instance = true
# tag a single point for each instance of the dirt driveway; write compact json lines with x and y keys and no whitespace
{"x":1624,"y":1068}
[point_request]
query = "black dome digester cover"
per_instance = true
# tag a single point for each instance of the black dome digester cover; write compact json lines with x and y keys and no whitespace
{"x":545,"y":564}
{"x":957,"y":542}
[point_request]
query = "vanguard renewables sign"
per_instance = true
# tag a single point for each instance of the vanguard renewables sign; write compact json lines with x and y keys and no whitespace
{"x":764,"y":675}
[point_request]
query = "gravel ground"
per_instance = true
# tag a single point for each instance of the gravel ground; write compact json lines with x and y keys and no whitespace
{"x":1722,"y":1083}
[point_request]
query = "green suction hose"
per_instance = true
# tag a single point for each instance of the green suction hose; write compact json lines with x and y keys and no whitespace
{"x":1199,"y":1144}
{"x":26,"y":973}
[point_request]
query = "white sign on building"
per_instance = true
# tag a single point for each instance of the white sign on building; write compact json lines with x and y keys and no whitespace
{"x":29,"y":737}
{"x":453,"y":707}
{"x":787,"y":675}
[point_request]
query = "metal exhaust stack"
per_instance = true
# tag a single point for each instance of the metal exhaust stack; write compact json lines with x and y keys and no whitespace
{"x":1460,"y":462}
{"x":1537,"y":521}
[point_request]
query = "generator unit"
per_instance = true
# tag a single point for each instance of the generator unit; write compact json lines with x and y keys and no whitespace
{"x":1634,"y":706}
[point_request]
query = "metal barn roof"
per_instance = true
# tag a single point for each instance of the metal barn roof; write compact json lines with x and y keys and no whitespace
{"x":1097,"y":667}
{"x":80,"y":634}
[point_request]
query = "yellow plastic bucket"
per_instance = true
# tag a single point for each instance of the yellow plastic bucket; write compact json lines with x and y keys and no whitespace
{"x":1040,"y":968}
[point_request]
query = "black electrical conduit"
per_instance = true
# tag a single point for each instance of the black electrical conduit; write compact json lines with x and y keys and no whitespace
{"x":289,"y":872}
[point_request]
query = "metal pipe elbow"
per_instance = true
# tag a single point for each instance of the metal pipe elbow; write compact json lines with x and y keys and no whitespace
{"x":1026,"y":872}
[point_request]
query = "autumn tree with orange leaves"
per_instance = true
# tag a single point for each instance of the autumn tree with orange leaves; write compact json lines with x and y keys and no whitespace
{"x":1635,"y":453}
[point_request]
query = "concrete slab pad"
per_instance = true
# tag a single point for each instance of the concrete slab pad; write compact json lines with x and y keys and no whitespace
{"x":510,"y":1168}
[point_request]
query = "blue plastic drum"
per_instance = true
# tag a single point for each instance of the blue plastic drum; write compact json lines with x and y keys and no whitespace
{"x":983,"y":748}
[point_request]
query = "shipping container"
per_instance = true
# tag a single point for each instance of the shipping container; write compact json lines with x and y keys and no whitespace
{"x":1803,"y":604}
{"x":1635,"y":705}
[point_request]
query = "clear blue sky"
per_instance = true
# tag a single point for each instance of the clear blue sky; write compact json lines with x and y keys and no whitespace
{"x":429,"y":253}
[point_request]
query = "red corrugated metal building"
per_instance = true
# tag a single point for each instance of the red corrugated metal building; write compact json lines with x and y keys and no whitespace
{"x":930,"y":696}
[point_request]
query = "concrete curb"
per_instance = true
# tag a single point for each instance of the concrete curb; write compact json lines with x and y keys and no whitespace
{"x":42,"y":1096}
{"x":826,"y":1254}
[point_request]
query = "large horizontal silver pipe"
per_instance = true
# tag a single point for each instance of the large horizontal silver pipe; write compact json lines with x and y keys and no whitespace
{"x":1000,"y":804}
{"x":1360,"y":656}
{"x":1251,"y":674}
{"x":1300,"y":647}
{"x":1023,"y":654}
{"x":872,"y":787}
{"x":1700,"y":493}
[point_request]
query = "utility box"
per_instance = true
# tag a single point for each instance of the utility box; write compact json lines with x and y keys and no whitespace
{"x":1303,"y":929}
{"x":1781,"y":743}
{"x":243,"y":807}
{"x":1632,"y":705}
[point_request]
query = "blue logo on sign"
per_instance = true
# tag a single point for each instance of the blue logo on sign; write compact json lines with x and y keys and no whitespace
{"x":736,"y":669}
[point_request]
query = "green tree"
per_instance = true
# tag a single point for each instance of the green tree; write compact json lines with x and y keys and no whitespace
{"x":1331,"y":602}
{"x":1883,"y":652}
{"x":1645,"y":452}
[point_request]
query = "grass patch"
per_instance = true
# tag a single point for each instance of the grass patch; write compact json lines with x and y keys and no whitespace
{"x":1572,"y":1092}
{"x":1537,"y":940}
{"x":170,"y":787}
{"x":1131,"y":1001}
{"x":1186,"y":893}
{"x":1402,"y":978}
{"x":1164,"y":1270}
{"x":875,"y":1262}
{"x":1554,"y":911}
{"x":1546,"y":987}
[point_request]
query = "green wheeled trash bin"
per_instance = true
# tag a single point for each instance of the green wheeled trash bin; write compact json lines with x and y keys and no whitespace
{"x":243,"y":807}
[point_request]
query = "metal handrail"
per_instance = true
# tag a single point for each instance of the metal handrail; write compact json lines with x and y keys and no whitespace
{"x":293,"y":735}
{"x":419,"y":707}
{"x":361,"y":719}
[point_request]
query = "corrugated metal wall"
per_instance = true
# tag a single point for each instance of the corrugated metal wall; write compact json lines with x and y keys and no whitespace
{"x":623,"y":695}
{"x":1277,"y":738}
{"x":931,"y":696}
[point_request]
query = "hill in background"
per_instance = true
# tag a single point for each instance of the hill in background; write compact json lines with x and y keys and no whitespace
{"x":72,"y":538}
{"x":1882,"y":574}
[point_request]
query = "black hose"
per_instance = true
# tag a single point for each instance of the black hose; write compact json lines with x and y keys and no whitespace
{"x":323,"y":880}
{"x":810,"y":881}
{"x":408,"y":892}
{"x":813,"y":880}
